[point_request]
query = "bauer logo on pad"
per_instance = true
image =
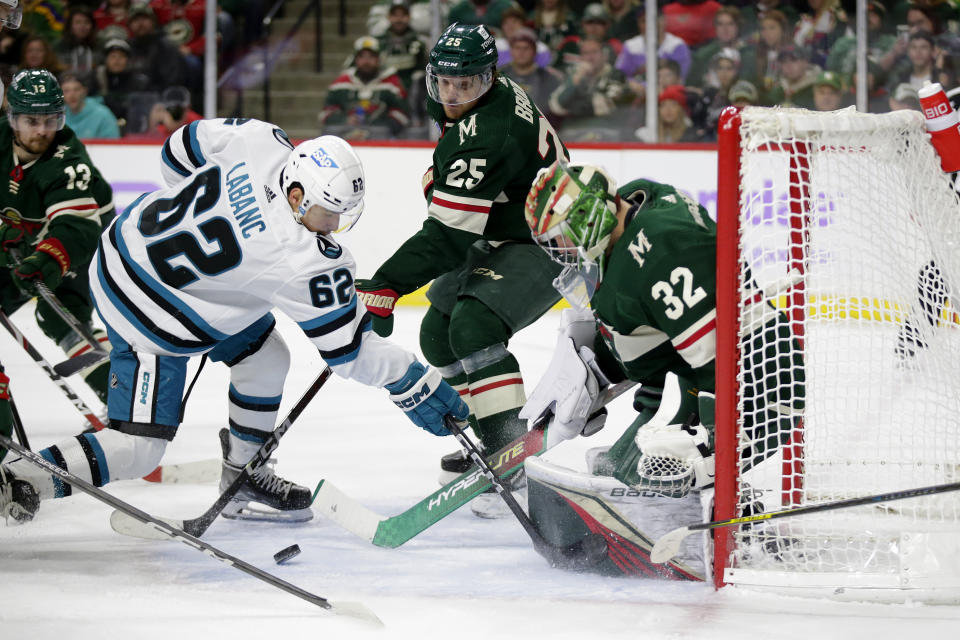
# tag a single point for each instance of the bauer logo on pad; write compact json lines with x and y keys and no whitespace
{"x":323,"y":160}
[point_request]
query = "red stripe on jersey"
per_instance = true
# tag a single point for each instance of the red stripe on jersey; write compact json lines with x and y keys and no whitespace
{"x":475,"y":208}
{"x":86,"y":347}
{"x":82,"y":207}
{"x":495,"y":385}
{"x":702,"y":331}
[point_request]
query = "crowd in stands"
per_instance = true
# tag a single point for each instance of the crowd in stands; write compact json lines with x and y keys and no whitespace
{"x":584,"y":63}
{"x":128,"y":68}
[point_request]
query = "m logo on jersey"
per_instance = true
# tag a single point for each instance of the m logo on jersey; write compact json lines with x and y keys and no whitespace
{"x":323,"y":159}
{"x":468,"y":128}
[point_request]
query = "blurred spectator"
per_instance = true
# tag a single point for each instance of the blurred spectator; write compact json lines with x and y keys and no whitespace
{"x":88,"y":117}
{"x":674,"y":123}
{"x":553,"y":21}
{"x":111,"y":18}
{"x":44,"y":18}
{"x":843,"y":54}
{"x":878,"y":98}
{"x":591,"y":92}
{"x":250,"y":14}
{"x":623,"y":23}
{"x":774,"y":36}
{"x":726,"y":23}
{"x":182,"y":22}
{"x":38,"y":54}
{"x":421,"y":16}
{"x":595,"y":24}
{"x":401,"y":47}
{"x":668,"y":73}
{"x":633,"y":59}
{"x":11,"y":50}
{"x":365,"y":97}
{"x":540,"y":82}
{"x":515,"y":19}
{"x":714,"y":96}
{"x":920,"y":65}
{"x":754,"y":13}
{"x":485,"y":12}
{"x":151,"y":53}
{"x":691,"y":20}
{"x":904,"y":96}
{"x":743,"y":94}
{"x":797,"y":75}
{"x":172,"y":112}
{"x":818,"y":30}
{"x":77,"y":49}
{"x":828,"y":91}
{"x":116,"y":82}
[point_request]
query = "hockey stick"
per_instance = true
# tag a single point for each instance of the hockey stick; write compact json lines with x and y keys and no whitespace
{"x":669,"y":544}
{"x":393,"y":531}
{"x":124,"y":524}
{"x":51,"y":372}
{"x":17,"y":422}
{"x":64,"y":313}
{"x":188,"y":472}
{"x":351,"y":609}
{"x":579,"y":556}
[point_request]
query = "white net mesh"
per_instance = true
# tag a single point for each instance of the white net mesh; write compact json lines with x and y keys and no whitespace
{"x":849,"y":227}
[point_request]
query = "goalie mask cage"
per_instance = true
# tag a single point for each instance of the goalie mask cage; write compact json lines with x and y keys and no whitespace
{"x":846,"y":224}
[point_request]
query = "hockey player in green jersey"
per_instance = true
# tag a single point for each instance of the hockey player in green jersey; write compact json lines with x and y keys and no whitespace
{"x":52,"y":210}
{"x":644,"y":258}
{"x":490,"y":278}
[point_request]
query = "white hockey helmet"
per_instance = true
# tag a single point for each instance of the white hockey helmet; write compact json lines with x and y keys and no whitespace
{"x":331,"y":176}
{"x":11,"y":13}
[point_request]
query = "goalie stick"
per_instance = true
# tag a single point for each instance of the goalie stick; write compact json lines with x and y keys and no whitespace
{"x":350,"y":609}
{"x":393,"y":531}
{"x":188,"y":472}
{"x":124,"y":524}
{"x":668,"y":545}
{"x":579,"y":556}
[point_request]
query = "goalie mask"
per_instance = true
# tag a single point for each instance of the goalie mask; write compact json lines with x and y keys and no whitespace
{"x":571,"y":210}
{"x":461,"y":64}
{"x":329,"y":172}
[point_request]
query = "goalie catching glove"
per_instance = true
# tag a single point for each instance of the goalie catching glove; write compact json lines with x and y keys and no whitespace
{"x":426,"y":398}
{"x":571,"y":385}
{"x":675,"y":458}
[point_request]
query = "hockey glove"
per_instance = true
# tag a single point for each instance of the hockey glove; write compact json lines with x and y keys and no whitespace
{"x":11,"y":238}
{"x":675,"y":458}
{"x":47,"y":264}
{"x":6,"y":411}
{"x":380,"y":301}
{"x":426,"y":398}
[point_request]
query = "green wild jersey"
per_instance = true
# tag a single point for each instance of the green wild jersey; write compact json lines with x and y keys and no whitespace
{"x":656,"y":302}
{"x":483,"y":166}
{"x":60,"y":195}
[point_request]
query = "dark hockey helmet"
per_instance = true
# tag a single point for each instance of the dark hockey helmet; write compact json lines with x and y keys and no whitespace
{"x":36,"y":92}
{"x":461,"y":64}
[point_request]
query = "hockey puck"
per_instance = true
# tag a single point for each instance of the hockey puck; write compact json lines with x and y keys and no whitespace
{"x":285,"y":554}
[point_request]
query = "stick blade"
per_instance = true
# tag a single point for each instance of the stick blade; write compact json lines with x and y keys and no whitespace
{"x":129,"y":526}
{"x":669,"y":545}
{"x":357,"y":611}
{"x":69,"y":367}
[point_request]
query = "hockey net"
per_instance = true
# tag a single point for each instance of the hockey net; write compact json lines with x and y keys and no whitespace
{"x":844,"y":223}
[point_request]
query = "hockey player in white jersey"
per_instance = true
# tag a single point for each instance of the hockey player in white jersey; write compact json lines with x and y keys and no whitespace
{"x":195,"y":268}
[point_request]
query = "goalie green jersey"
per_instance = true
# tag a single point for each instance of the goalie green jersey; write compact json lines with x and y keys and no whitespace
{"x":483,"y":166}
{"x":59,"y":195}
{"x":656,"y":302}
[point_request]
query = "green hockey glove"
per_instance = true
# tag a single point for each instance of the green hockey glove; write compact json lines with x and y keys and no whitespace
{"x":380,"y":301}
{"x":47,"y":264}
{"x":11,"y":238}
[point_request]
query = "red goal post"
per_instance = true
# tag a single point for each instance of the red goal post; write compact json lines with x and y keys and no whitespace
{"x":847,"y":226}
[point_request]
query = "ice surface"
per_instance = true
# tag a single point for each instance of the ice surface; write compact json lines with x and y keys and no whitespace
{"x":68,"y":575}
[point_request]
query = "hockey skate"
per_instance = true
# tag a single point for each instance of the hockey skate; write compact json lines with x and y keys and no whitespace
{"x":490,"y":505}
{"x":19,"y":500}
{"x":265,"y":496}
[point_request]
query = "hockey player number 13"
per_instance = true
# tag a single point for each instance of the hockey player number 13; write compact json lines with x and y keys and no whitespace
{"x":165,"y":214}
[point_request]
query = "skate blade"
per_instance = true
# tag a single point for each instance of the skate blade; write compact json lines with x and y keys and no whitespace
{"x":253,"y":511}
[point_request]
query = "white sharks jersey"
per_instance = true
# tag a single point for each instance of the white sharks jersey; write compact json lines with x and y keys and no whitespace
{"x":202,"y":259}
